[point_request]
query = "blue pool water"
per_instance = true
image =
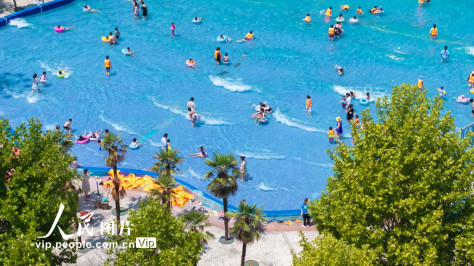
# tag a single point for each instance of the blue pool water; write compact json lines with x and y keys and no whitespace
{"x":288,"y":60}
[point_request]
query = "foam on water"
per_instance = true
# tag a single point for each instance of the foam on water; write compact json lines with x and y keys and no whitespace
{"x":470,"y":50}
{"x":230,"y":84}
{"x":263,"y":187}
{"x":396,"y":58}
{"x":360,"y":93}
{"x":261,"y":156}
{"x":117,"y":126}
{"x":171,"y":109}
{"x":19,"y":23}
{"x":280,"y":117}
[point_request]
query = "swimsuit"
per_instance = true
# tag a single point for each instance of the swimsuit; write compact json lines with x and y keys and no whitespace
{"x":145,"y":11}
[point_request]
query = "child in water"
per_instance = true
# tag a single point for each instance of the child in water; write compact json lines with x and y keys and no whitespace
{"x":43,"y":79}
{"x":173,"y":27}
{"x":367,"y":97}
{"x":340,"y":70}
{"x":226,"y":59}
{"x":343,"y":102}
{"x":202,"y":153}
{"x":331,"y":135}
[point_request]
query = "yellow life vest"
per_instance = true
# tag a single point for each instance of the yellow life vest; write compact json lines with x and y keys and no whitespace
{"x":420,"y":83}
{"x":307,"y":18}
{"x":331,"y":31}
{"x":471,"y":78}
{"x":249,"y":36}
{"x":329,"y":12}
{"x":434,"y":32}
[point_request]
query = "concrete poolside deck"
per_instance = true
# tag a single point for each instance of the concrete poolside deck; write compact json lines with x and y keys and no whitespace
{"x":7,"y":6}
{"x":274,"y":248}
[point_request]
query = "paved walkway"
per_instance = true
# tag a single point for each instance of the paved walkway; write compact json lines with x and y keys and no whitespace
{"x":274,"y":248}
{"x":7,"y":6}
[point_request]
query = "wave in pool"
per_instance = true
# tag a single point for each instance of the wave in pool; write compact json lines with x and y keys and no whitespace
{"x":470,"y":50}
{"x":325,"y":165}
{"x":263,"y":187}
{"x":117,"y":126}
{"x":191,"y":173}
{"x":19,"y":23}
{"x":280,"y":117}
{"x":261,"y":156}
{"x":359,"y":92}
{"x":31,"y":98}
{"x":396,"y":58}
{"x":234,"y":85}
{"x":206,"y":118}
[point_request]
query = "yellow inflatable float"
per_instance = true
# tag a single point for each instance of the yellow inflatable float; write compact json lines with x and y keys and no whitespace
{"x":147,"y":184}
{"x":105,"y":39}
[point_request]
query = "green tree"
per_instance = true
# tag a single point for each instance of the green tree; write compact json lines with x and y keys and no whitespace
{"x":225,"y":182}
{"x":164,"y":193}
{"x":404,"y":190}
{"x":167,"y":163}
{"x":196,"y":221}
{"x":247,"y":224}
{"x":34,"y":171}
{"x":116,"y":150}
{"x":174,"y":245}
{"x":329,"y":250}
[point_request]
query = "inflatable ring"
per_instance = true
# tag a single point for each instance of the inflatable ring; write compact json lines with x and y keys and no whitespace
{"x":262,"y":121}
{"x":189,"y":64}
{"x":197,"y":20}
{"x":364,"y":101}
{"x":228,"y":62}
{"x":105,"y":39}
{"x":352,"y":20}
{"x":133,"y":147}
{"x":222,"y":40}
{"x":61,"y":75}
{"x":125,"y":52}
{"x":471,"y":90}
{"x":60,"y":29}
{"x":340,"y":19}
{"x":83,"y":141}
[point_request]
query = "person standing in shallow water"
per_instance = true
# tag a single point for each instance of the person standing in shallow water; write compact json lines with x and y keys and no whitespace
{"x":305,"y":213}
{"x":243,"y":169}
{"x":173,"y":27}
{"x":35,"y":84}
{"x":108,"y":66}
{"x":144,"y":10}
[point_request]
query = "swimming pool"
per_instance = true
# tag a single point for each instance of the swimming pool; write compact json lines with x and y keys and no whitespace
{"x":288,"y":60}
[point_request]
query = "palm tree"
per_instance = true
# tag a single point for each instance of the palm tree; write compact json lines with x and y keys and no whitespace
{"x":164,"y":193}
{"x":116,"y":149}
{"x":225,"y":182}
{"x":196,"y":221}
{"x":168,"y":161}
{"x":246,"y":226}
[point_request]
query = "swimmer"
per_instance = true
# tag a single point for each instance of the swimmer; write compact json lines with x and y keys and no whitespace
{"x":202,"y":153}
{"x":43,"y":78}
{"x":265,"y":107}
{"x":444,"y":54}
{"x":65,"y":28}
{"x":353,"y":20}
{"x":340,"y":70}
{"x":117,"y":33}
{"x":353,"y":95}
{"x":441,"y":92}
{"x":248,"y":37}
{"x":226,"y":59}
{"x":129,"y":52}
{"x":343,"y":102}
{"x":243,"y":169}
{"x":345,"y":7}
{"x":434,"y":31}
{"x":328,"y":12}
{"x":331,"y":33}
{"x":136,"y":14}
{"x":35,"y":84}
{"x":331,"y":135}
{"x":191,"y":104}
{"x":307,"y":18}
{"x":173,"y":27}
{"x":94,"y":136}
{"x":309,"y":104}
{"x":144,"y":10}
{"x":223,"y":37}
{"x":374,"y":10}
{"x":340,"y":18}
{"x":108,"y":66}
{"x":111,"y":39}
{"x":193,"y":116}
{"x":338,"y":29}
{"x":218,"y":55}
{"x":380,"y":10}
{"x":367,"y":97}
{"x":191,"y":63}
{"x":420,"y":83}
{"x":197,"y":19}
{"x":82,"y":137}
{"x":260,"y":115}
{"x":90,"y":10}
{"x":470,"y":80}
{"x":67,"y":125}
{"x":359,"y":11}
{"x":62,"y":72}
{"x":134,"y":144}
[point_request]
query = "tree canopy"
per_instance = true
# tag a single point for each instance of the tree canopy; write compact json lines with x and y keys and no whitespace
{"x":34,"y":173}
{"x":174,"y":244}
{"x":404,"y":190}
